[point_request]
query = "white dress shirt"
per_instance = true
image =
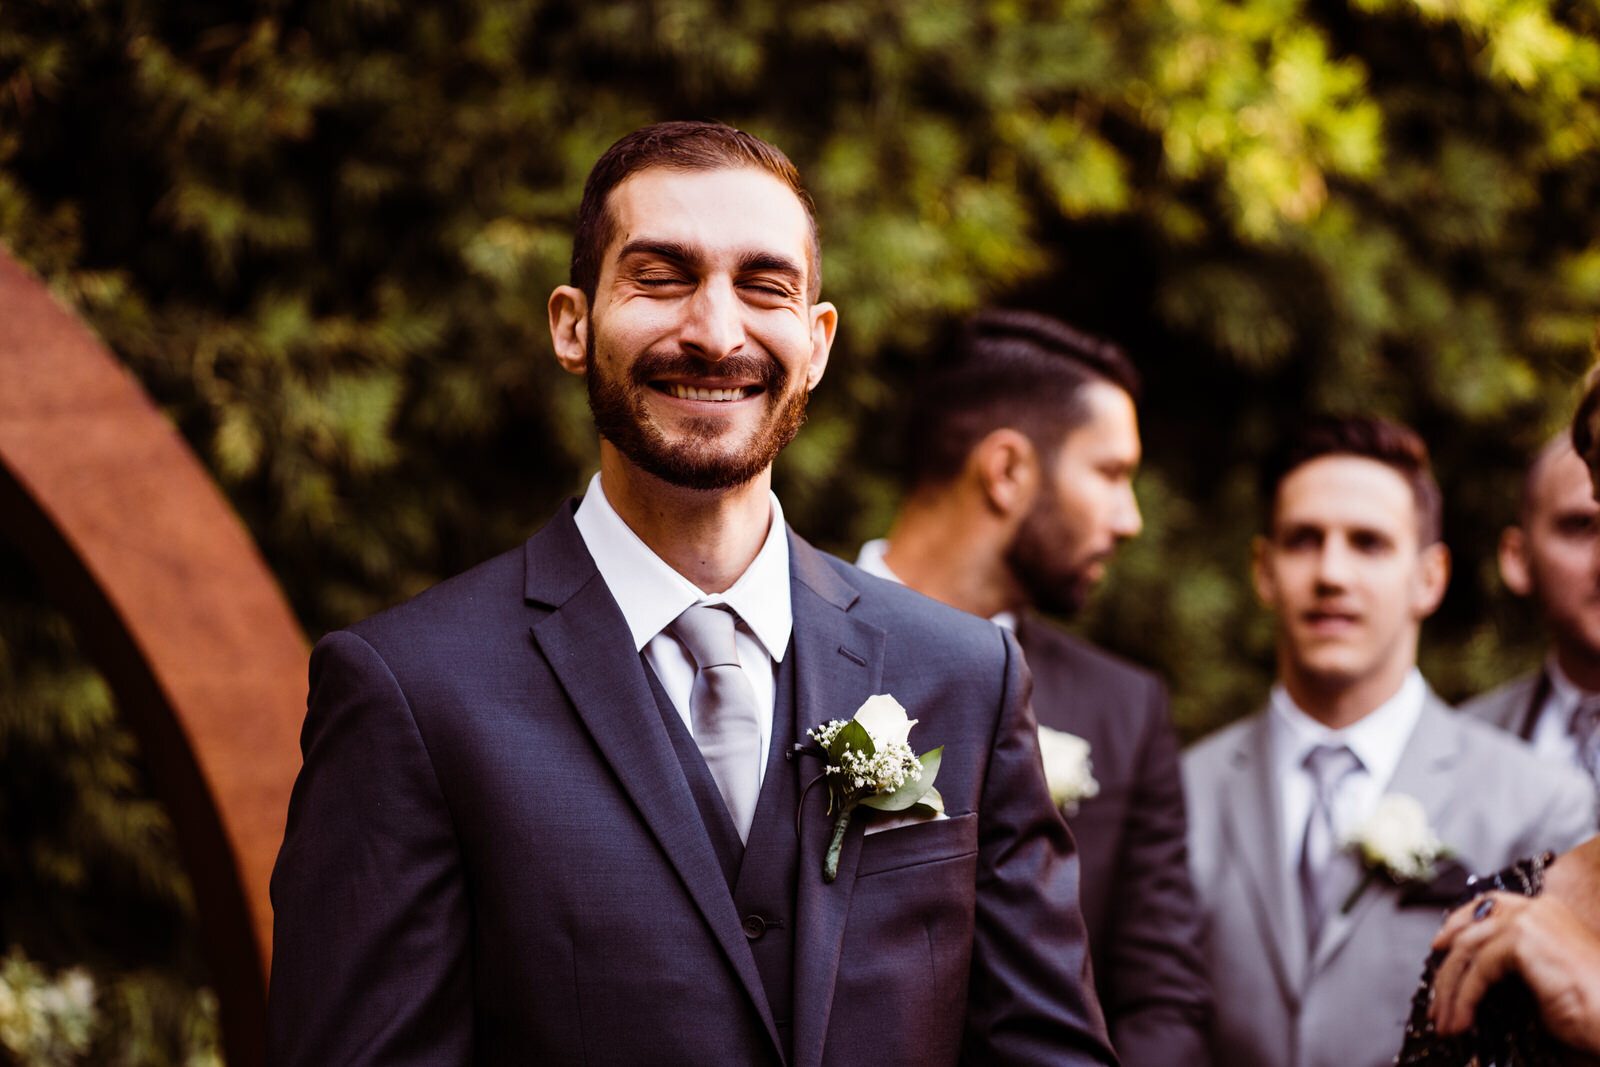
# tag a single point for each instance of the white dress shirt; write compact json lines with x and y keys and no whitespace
{"x":651,"y":595}
{"x":870,"y":559}
{"x":1378,"y":740}
{"x":1552,"y":734}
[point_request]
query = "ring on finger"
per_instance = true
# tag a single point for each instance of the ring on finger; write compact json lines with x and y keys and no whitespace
{"x":1484,"y":908}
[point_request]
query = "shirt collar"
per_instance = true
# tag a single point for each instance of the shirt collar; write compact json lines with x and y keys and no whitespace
{"x":1565,"y":694}
{"x":1377,"y":739}
{"x":870,"y":559}
{"x":651,"y":594}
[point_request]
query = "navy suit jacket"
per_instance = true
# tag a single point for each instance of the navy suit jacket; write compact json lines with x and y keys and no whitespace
{"x":492,"y":855}
{"x":1138,"y":901}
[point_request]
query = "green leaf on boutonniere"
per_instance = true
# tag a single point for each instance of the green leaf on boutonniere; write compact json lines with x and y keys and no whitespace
{"x":912,"y":792}
{"x":852,"y":736}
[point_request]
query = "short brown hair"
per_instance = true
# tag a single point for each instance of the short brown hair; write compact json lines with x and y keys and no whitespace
{"x":1395,"y":446}
{"x":677,"y":146}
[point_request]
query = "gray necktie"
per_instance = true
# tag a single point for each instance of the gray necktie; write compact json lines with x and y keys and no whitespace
{"x":722,"y":707}
{"x":1585,"y":727}
{"x":1327,"y":873}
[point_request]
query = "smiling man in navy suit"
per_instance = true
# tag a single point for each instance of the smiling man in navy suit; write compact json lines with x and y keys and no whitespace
{"x":553,"y":811}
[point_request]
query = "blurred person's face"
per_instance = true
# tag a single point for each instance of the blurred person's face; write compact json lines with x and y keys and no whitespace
{"x":1343,"y":571}
{"x":701,"y":347}
{"x":1551,"y":555}
{"x":1085,"y":506}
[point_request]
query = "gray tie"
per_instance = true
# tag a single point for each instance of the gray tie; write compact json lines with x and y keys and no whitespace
{"x":1327,"y":873}
{"x":722,"y":707}
{"x":1585,"y":727}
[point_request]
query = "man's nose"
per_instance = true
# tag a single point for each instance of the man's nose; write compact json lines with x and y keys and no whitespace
{"x":1333,"y":563}
{"x":1127,"y":522}
{"x":713,"y":326}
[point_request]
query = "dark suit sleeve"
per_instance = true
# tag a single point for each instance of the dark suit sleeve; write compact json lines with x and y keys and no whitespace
{"x":1031,"y":996}
{"x":370,"y":939}
{"x":1158,"y":995}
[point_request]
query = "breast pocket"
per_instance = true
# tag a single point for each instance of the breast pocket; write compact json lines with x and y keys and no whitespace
{"x":934,"y":841}
{"x":907,"y":946}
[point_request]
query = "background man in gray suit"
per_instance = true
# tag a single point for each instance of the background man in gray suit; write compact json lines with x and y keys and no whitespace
{"x":1550,"y":555}
{"x":1350,"y":565}
{"x":1024,"y":448}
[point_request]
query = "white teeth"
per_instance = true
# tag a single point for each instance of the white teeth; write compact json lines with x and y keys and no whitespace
{"x":689,"y":392}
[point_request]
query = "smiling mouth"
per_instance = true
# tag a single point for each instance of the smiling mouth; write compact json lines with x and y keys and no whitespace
{"x":695,"y":392}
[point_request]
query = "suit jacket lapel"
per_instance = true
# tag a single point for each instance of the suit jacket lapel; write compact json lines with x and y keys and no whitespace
{"x":838,"y":664}
{"x":1256,"y":836}
{"x":1523,"y":717}
{"x":1424,"y":772}
{"x":617,"y":707}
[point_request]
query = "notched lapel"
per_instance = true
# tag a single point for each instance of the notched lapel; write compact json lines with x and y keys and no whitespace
{"x":586,"y":642}
{"x":1256,"y":837}
{"x":838,"y":665}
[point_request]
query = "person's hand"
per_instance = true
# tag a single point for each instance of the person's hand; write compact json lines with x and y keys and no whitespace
{"x":1538,"y":938}
{"x":1574,"y":879}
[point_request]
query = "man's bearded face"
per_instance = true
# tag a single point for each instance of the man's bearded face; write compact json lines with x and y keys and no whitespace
{"x":704,"y":453}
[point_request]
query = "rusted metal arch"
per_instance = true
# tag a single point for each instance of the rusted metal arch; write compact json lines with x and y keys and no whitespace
{"x":173,"y":601}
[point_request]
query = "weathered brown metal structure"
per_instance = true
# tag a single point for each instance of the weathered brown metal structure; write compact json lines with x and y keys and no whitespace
{"x":172,"y":599}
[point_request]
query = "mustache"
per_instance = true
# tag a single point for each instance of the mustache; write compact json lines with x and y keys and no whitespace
{"x":737,"y":367}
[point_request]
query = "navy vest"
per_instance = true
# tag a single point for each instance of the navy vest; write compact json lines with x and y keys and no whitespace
{"x":761,"y":874}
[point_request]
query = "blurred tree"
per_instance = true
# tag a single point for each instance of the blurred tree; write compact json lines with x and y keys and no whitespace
{"x":322,"y":234}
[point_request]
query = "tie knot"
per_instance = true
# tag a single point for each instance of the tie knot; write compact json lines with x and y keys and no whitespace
{"x":707,"y":632}
{"x":1329,"y":764}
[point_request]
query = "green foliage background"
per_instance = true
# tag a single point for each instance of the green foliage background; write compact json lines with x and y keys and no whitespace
{"x":322,"y":233}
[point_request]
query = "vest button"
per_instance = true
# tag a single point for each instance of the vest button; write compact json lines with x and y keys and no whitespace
{"x":754,"y":926}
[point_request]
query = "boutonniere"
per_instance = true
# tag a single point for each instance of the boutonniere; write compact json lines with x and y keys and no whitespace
{"x":1067,"y":768}
{"x":870,"y":762}
{"x":1396,"y":844}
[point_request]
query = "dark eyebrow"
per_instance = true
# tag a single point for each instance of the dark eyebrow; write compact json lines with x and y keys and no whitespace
{"x":772,"y":263}
{"x":749,"y":263}
{"x":672,"y":250}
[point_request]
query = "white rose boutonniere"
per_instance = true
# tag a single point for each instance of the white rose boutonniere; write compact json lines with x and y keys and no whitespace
{"x":869,"y":761}
{"x":1395,"y":843}
{"x":1067,"y":768}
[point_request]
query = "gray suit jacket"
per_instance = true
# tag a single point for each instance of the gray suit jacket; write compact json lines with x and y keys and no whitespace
{"x":1514,"y":706}
{"x":1488,"y":798}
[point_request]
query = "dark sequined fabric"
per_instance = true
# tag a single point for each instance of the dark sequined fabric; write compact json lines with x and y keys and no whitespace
{"x":1507,"y":1031}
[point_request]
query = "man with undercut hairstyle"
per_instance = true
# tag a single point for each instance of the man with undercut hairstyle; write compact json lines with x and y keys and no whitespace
{"x":1023,"y":447}
{"x":555,"y":810}
{"x":1313,"y":961}
{"x":1552,"y":554}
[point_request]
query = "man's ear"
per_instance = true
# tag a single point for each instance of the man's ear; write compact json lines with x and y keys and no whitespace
{"x":1514,"y":569}
{"x":569,"y":328}
{"x":1261,"y":573}
{"x":824,"y":323}
{"x":1433,"y":578}
{"x":1007,"y":468}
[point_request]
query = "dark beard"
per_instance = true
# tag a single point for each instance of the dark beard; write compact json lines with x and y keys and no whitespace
{"x":1034,"y":559}
{"x":620,"y":416}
